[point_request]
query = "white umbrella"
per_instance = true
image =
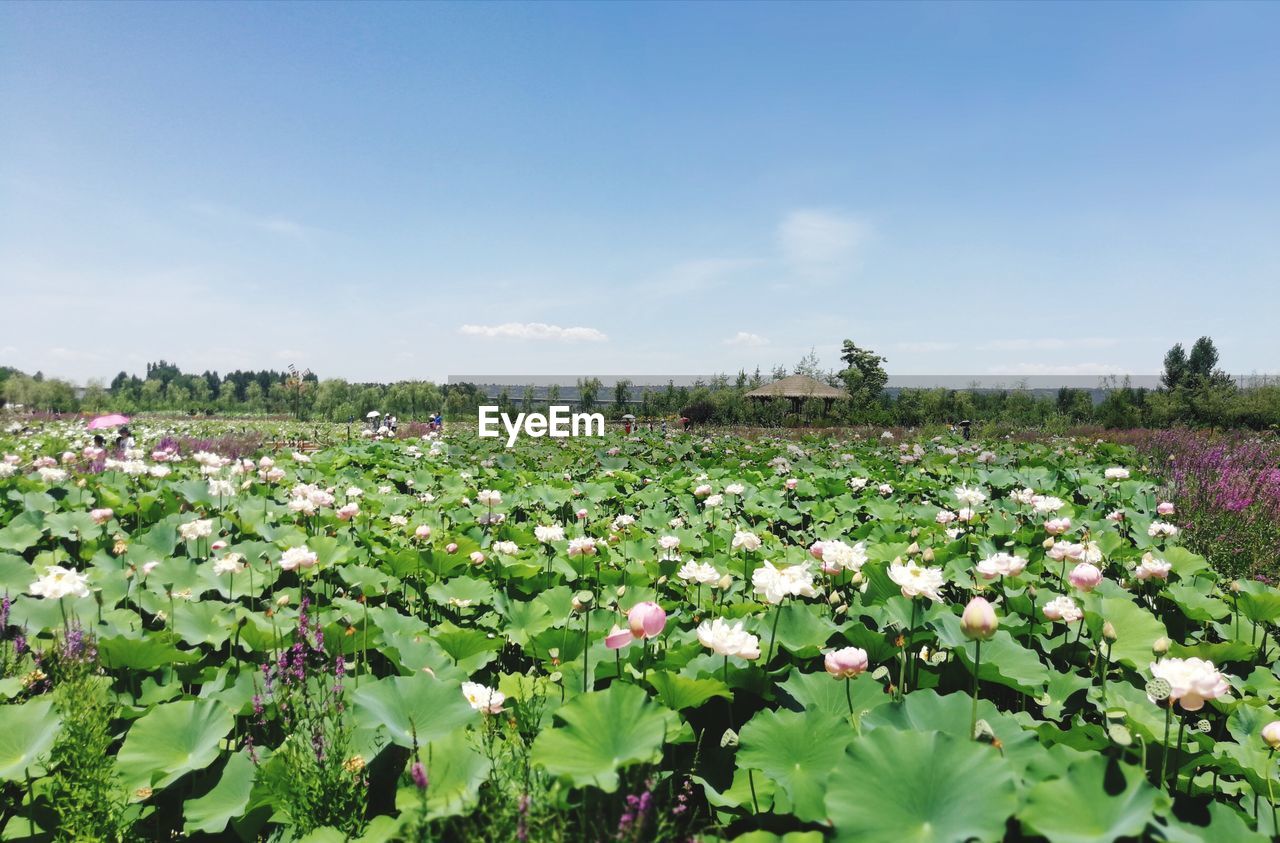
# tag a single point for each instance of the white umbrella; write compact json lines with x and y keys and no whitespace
{"x":372,"y":414}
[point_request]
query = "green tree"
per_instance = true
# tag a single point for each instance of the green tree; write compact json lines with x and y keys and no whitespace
{"x":864,"y":375}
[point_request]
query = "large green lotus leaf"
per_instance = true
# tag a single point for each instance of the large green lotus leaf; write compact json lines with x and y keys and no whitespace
{"x":526,"y":620}
{"x":802,"y":631}
{"x":26,"y":735}
{"x":72,"y":525}
{"x":1099,"y":799}
{"x":22,"y":531}
{"x":455,"y":772}
{"x":819,"y":691}
{"x":209,"y":622}
{"x":1186,"y":565}
{"x":926,"y":710}
{"x":798,"y":750}
{"x":603,"y":732}
{"x":405,"y":705}
{"x":171,"y":740}
{"x":678,"y":692}
{"x":470,"y":649}
{"x":1137,"y":629}
{"x":156,"y":650}
{"x":923,"y":786}
{"x":1259,"y":602}
{"x":1195,"y":604}
{"x":227,"y":800}
{"x":747,"y":790}
{"x":1224,"y":824}
{"x":1004,"y":660}
{"x":467,"y":591}
{"x":16,"y":574}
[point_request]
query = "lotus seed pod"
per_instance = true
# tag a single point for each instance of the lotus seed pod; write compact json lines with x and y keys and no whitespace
{"x":1158,"y":690}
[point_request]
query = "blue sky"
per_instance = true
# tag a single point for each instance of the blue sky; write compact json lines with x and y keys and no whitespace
{"x":398,"y":191}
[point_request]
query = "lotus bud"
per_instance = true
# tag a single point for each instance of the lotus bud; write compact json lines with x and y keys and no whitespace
{"x":1047,"y":543}
{"x":451,"y":547}
{"x":927,"y":556}
{"x":1161,"y":646}
{"x":1108,"y":631}
{"x":661,"y":581}
{"x":477,"y":558}
{"x":913,"y":549}
{"x":1271,"y":734}
{"x":842,"y":608}
{"x":833,"y":598}
{"x":915,"y":531}
{"x":725,"y":582}
{"x":846,"y":663}
{"x":979,"y":621}
{"x":582,"y":601}
{"x":622,"y":589}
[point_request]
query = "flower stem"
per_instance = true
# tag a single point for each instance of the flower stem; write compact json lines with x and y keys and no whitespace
{"x":777,"y":613}
{"x":977,"y":665}
{"x":1164,"y":755}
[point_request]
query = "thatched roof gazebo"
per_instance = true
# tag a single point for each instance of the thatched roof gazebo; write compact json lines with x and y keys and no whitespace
{"x":796,"y":389}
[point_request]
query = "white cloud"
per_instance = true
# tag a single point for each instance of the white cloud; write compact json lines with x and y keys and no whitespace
{"x":1048,"y":344}
{"x":747,"y":338}
{"x":534,"y":331}
{"x":815,"y":240}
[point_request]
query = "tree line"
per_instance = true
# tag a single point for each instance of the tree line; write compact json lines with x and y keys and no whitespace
{"x":1193,"y":392}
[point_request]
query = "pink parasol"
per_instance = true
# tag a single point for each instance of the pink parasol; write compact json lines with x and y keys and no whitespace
{"x":113,"y":420}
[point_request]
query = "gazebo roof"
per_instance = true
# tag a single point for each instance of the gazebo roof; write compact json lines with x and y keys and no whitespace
{"x":797,"y":386}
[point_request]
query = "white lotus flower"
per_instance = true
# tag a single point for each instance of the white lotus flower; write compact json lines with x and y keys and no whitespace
{"x":482,"y":699}
{"x":58,"y":582}
{"x":725,"y":640}
{"x":916,"y":581}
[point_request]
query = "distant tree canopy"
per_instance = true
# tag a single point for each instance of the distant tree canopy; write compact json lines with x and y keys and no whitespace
{"x":864,"y":375}
{"x":1193,"y":391}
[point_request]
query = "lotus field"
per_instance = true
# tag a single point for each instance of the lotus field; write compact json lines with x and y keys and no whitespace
{"x":622,"y":638}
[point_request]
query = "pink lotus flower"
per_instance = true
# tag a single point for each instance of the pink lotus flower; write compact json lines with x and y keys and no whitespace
{"x":618,"y":638}
{"x":581,"y":514}
{"x":477,"y":558}
{"x":220,"y":544}
{"x":646,"y":619}
{"x":422,"y":532}
{"x":1057,"y":526}
{"x":101,"y":516}
{"x":791,"y":484}
{"x":846,"y":662}
{"x":451,"y":547}
{"x":348,"y":512}
{"x":815,"y":550}
{"x":1164,"y":508}
{"x":1085,"y":576}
